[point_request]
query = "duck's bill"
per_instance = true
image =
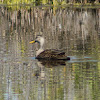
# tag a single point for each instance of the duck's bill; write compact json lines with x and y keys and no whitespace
{"x":32,"y":42}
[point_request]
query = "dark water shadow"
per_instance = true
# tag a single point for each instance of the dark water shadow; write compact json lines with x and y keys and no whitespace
{"x":50,"y":63}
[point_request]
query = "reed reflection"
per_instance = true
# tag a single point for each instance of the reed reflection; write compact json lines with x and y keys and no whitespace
{"x":70,"y":81}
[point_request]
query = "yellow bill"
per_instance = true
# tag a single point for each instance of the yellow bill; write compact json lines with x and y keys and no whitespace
{"x":32,"y":42}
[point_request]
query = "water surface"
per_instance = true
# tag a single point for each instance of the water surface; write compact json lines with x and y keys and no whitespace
{"x":74,"y":30}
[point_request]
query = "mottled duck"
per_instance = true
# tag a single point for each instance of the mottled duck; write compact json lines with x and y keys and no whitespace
{"x":48,"y":54}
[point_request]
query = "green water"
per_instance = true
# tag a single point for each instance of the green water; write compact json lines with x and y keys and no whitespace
{"x":76,"y":31}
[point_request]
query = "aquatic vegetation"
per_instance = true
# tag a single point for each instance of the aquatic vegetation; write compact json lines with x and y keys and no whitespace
{"x":51,"y":2}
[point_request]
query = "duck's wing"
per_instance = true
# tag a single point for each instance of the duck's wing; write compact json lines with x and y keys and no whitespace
{"x":56,"y":52}
{"x":51,"y":54}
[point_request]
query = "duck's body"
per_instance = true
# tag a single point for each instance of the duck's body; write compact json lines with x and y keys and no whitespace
{"x":52,"y":54}
{"x":49,"y":54}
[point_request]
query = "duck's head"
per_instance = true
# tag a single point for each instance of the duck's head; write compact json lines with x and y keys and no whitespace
{"x":38,"y":39}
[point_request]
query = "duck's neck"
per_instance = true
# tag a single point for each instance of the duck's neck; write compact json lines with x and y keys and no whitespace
{"x":40,"y":50}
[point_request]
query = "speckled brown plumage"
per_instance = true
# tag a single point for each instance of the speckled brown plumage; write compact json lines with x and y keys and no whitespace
{"x":52,"y":54}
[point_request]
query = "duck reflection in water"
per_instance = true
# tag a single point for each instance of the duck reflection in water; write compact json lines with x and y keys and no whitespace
{"x":52,"y":63}
{"x":42,"y":64}
{"x":48,"y":54}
